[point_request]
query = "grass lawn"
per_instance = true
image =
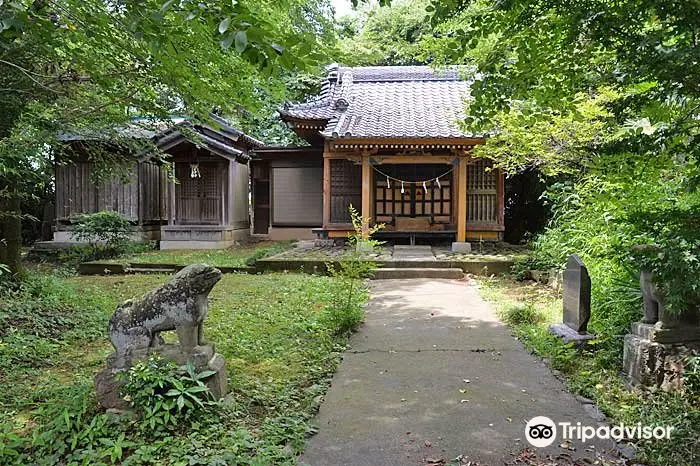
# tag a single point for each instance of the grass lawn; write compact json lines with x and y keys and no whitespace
{"x":529,"y":308}
{"x":237,"y":256}
{"x":274,"y":330}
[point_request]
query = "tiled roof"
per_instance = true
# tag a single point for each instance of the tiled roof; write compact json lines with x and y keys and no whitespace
{"x":219,"y":137}
{"x":387,"y":102}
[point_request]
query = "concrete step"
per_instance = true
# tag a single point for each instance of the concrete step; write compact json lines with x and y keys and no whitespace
{"x":418,"y":272}
{"x":147,"y":270}
{"x":416,"y":264}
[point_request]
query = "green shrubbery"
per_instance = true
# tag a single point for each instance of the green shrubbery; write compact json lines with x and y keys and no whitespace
{"x":602,"y":216}
{"x":521,"y":313}
{"x":108,"y":227}
{"x":164,"y":397}
{"x":107,"y":234}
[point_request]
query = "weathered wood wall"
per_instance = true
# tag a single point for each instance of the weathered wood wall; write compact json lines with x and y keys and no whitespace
{"x":140,"y":200}
{"x":239,"y":199}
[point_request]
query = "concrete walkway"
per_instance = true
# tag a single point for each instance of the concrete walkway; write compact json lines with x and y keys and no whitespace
{"x":432,"y":375}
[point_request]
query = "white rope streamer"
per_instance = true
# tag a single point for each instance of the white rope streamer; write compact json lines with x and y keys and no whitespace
{"x":388,"y":178}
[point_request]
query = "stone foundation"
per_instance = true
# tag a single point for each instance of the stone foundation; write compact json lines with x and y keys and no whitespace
{"x":203,"y":357}
{"x":654,"y":356}
{"x":201,"y":236}
{"x":461,"y":247}
{"x":569,"y":335}
{"x":64,"y":235}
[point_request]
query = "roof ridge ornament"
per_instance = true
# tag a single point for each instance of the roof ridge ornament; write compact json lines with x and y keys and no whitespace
{"x":343,"y":101}
{"x":332,"y":72}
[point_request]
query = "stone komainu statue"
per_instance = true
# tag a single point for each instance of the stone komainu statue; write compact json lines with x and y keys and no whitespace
{"x":180,"y":305}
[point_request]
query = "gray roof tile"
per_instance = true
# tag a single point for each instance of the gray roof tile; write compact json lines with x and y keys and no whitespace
{"x":388,"y":102}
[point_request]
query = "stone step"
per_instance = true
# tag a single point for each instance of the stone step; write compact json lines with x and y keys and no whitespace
{"x":416,"y":264}
{"x":151,"y":270}
{"x":417,"y":272}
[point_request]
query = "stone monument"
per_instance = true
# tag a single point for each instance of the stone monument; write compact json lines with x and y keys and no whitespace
{"x":134,"y":330}
{"x":576,"y":289}
{"x":657,"y":347}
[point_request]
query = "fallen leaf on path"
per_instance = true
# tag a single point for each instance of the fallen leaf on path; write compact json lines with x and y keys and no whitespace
{"x":435,"y":462}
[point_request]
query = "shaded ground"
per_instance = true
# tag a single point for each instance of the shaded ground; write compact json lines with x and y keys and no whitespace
{"x":434,"y":378}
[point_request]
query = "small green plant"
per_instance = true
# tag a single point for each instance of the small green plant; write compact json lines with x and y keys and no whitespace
{"x":691,"y":378}
{"x":361,"y":238}
{"x":108,"y":227}
{"x":163,"y":396}
{"x":346,"y":312}
{"x":522,"y":313}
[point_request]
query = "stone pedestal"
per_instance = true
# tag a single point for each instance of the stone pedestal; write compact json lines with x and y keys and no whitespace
{"x":203,"y":358}
{"x":569,"y":335}
{"x":461,"y":247}
{"x":654,"y":356}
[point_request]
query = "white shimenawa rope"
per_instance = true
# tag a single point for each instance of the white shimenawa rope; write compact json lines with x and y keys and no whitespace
{"x":436,"y":179}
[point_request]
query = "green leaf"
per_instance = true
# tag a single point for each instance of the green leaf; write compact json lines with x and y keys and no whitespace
{"x":223,"y":25}
{"x":278,"y":48}
{"x":241,"y":39}
{"x":205,"y":374}
{"x":226,"y":42}
{"x":197,"y":389}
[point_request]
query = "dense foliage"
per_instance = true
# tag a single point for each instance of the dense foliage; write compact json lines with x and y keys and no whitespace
{"x":90,"y":67}
{"x":602,"y":96}
{"x":384,"y":35}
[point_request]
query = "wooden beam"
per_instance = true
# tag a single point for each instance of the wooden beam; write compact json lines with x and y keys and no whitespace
{"x":462,"y":201}
{"x":419,"y":159}
{"x":171,"y":199}
{"x":501,"y":197}
{"x":326,"y":192}
{"x":366,"y":194}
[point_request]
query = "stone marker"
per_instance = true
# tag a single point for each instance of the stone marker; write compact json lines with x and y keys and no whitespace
{"x":134,"y":330}
{"x":577,"y":294}
{"x":576,"y":286}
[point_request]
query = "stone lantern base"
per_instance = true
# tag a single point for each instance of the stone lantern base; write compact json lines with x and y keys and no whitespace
{"x":655,"y":356}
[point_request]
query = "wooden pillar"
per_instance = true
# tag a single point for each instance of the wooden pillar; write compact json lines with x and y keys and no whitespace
{"x":222,"y":188}
{"x":462,"y":201}
{"x":326,"y":191}
{"x":366,"y":194}
{"x":171,"y":199}
{"x":501,"y":196}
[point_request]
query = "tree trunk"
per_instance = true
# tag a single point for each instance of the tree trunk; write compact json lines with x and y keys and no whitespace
{"x":11,"y":235}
